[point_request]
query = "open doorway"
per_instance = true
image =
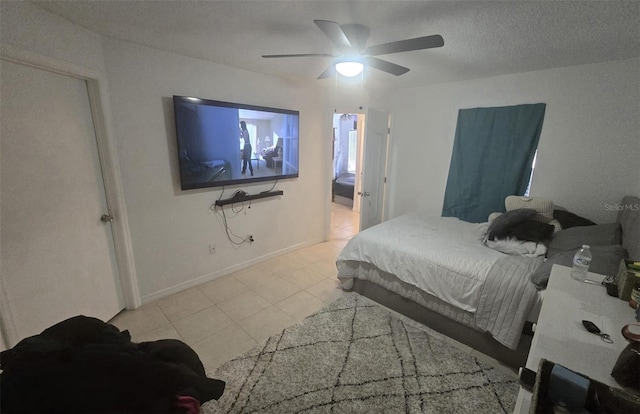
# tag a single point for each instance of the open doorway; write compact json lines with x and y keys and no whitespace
{"x":348,"y":138}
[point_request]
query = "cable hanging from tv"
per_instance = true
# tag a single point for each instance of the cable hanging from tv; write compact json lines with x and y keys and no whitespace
{"x":238,"y":197}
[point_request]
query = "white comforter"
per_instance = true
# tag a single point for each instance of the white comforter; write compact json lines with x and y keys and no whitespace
{"x":444,"y":256}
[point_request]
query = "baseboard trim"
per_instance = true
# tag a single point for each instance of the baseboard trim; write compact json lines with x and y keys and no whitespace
{"x":220,"y":273}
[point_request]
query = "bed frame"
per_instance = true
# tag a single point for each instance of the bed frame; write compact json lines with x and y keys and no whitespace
{"x":480,"y":341}
{"x":435,"y":313}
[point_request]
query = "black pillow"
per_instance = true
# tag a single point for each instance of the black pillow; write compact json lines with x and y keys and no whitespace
{"x":605,"y":261}
{"x":568,"y":219}
{"x":499,"y":227}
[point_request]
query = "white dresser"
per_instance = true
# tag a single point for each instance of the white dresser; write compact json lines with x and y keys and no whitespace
{"x":561,"y":338}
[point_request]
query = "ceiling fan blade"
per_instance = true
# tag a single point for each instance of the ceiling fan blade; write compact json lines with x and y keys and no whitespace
{"x":357,"y":34}
{"x":335,"y":34}
{"x":385,"y":66}
{"x":298,"y":55}
{"x":329,"y":73}
{"x":418,"y":43}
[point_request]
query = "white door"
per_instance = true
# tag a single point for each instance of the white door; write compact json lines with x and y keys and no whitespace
{"x":373,"y":169}
{"x":57,"y":256}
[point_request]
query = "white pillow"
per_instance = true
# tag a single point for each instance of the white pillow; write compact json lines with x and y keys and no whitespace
{"x":543,"y":206}
{"x":493,"y":216}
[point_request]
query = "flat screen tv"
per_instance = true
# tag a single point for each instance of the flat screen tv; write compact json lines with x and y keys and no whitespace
{"x":225,"y":143}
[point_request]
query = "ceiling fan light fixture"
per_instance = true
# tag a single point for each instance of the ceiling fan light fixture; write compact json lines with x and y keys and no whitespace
{"x":350,"y":41}
{"x":349,"y":68}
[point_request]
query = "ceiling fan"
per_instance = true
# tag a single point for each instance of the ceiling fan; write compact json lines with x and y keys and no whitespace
{"x":351,"y":42}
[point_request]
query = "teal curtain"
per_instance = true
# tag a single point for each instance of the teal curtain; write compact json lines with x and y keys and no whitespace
{"x":492,"y":156}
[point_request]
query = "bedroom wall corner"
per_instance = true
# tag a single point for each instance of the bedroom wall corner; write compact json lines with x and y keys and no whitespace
{"x":29,"y":28}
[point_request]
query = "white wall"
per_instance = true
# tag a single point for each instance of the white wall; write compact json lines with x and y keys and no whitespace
{"x":28,"y":28}
{"x":588,"y":151}
{"x":171,"y":229}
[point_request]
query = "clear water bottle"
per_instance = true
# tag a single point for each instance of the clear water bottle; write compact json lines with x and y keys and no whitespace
{"x":581,"y":262}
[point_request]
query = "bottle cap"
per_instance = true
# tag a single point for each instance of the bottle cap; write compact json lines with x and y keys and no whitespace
{"x":585,"y":246}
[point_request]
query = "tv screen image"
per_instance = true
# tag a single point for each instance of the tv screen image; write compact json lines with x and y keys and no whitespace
{"x":225,"y":143}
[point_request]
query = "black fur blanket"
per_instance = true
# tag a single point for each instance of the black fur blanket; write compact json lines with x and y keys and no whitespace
{"x":84,"y":365}
{"x":520,"y":224}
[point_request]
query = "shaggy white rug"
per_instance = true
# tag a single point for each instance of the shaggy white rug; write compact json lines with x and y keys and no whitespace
{"x":354,"y":356}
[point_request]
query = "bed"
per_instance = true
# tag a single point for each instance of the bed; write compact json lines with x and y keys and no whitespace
{"x":205,"y":171}
{"x":438,"y":271}
{"x":215,"y":168}
{"x":344,"y":185}
{"x":464,"y":280}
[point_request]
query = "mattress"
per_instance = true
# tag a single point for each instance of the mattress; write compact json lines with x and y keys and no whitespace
{"x":213,"y":163}
{"x":347,"y":179}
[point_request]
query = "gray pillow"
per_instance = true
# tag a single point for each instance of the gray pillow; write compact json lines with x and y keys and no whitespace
{"x":605,"y":261}
{"x":575,"y":237}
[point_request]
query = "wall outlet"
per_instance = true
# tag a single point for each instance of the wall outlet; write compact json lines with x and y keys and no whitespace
{"x":251,"y":239}
{"x":212,"y":248}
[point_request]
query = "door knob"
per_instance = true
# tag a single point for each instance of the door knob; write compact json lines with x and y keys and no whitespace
{"x":106,"y":218}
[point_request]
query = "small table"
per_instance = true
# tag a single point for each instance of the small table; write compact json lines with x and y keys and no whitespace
{"x":561,"y":338}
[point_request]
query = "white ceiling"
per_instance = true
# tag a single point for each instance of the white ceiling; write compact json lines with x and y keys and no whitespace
{"x":481,"y":38}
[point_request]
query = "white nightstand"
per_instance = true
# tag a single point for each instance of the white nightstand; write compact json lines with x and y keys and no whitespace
{"x":560,"y":336}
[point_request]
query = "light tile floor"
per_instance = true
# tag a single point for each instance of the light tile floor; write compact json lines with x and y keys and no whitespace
{"x":230,"y":315}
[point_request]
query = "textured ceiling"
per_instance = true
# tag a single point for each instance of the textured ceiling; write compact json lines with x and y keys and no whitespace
{"x":481,"y":38}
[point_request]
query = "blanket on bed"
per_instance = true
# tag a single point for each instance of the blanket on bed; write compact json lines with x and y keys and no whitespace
{"x":506,"y":298}
{"x":444,"y":257}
